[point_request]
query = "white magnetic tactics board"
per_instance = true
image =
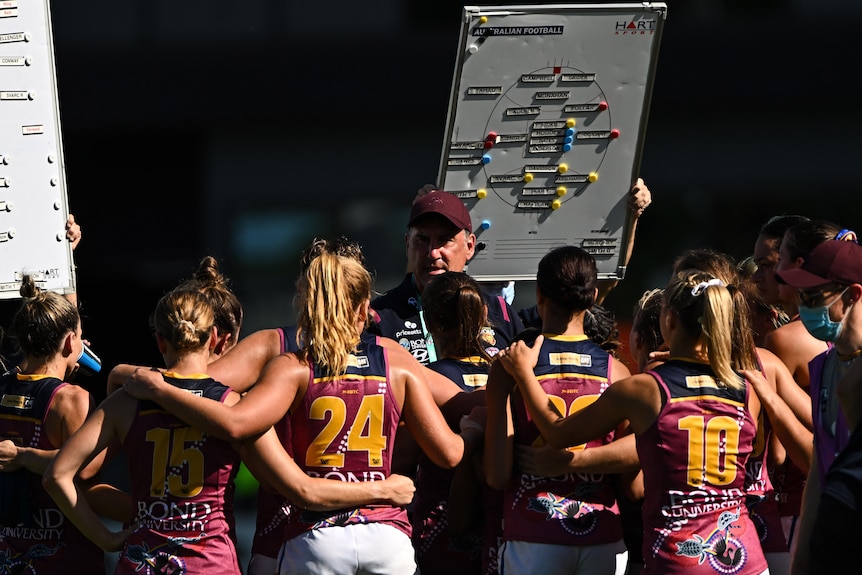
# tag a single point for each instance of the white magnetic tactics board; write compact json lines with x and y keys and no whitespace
{"x":546,"y":123}
{"x":33,"y":200}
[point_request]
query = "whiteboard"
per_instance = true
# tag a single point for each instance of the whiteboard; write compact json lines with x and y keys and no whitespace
{"x":545,"y":129}
{"x":33,"y":198}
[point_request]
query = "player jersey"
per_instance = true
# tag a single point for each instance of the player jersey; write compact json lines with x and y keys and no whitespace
{"x":182,"y":485}
{"x":760,"y":494}
{"x":468,"y":373}
{"x":398,"y":315}
{"x":574,"y":508}
{"x":437,"y":551}
{"x":273,"y":508}
{"x":33,"y":530}
{"x":344,"y":430}
{"x":693,"y":458}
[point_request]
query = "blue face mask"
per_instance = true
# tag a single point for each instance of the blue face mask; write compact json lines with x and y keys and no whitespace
{"x":818,"y":323}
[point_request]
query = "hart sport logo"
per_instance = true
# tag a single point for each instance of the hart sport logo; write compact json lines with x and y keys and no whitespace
{"x":643,"y":27}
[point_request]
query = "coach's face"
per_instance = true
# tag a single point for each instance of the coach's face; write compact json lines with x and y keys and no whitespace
{"x":436,"y":246}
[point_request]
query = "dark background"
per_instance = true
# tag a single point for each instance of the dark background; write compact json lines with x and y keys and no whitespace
{"x":242,"y":129}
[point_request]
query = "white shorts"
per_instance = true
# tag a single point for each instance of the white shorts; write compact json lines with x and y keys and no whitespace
{"x":360,"y":549}
{"x":524,"y":558}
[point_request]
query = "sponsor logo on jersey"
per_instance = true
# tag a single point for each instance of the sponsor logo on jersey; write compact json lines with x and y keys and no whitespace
{"x":410,"y":325}
{"x":358,"y":360}
{"x":16,"y":401}
{"x":409,"y":332}
{"x":488,"y":336}
{"x":568,"y":358}
{"x":475,"y":379}
{"x":700,"y":381}
{"x":421,"y":355}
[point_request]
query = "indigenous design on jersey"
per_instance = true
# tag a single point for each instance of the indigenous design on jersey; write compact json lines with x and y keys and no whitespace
{"x":575,"y":508}
{"x":182,"y":483}
{"x":35,"y":536}
{"x":344,"y":430}
{"x":694,"y":461}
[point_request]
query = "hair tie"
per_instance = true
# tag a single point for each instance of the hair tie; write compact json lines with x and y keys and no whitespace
{"x":698,"y":289}
{"x":846,"y":235}
{"x":183,"y":322}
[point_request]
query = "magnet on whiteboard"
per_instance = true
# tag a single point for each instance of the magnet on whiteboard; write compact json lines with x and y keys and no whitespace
{"x":473,"y":48}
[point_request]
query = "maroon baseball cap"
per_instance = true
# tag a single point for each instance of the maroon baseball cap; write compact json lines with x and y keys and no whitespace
{"x":444,"y":204}
{"x":835,"y":261}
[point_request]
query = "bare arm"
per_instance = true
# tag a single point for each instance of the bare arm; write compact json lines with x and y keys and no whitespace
{"x":498,"y":454}
{"x":632,"y":398}
{"x":261,"y":408}
{"x":240,"y":367}
{"x":638,"y":200}
{"x":617,"y":456}
{"x":103,"y":427}
{"x":796,"y":439}
{"x":424,"y":419}
{"x":268,"y":461}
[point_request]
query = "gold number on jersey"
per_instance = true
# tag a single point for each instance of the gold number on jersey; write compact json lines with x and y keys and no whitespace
{"x":176,"y":448}
{"x":365,"y":433}
{"x":578,"y":404}
{"x":712,"y":449}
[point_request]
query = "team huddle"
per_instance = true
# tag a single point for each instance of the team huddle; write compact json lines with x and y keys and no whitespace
{"x":435,"y":429}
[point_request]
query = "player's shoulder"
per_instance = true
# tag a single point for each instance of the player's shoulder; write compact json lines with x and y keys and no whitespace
{"x":790,"y":341}
{"x":70,"y":395}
